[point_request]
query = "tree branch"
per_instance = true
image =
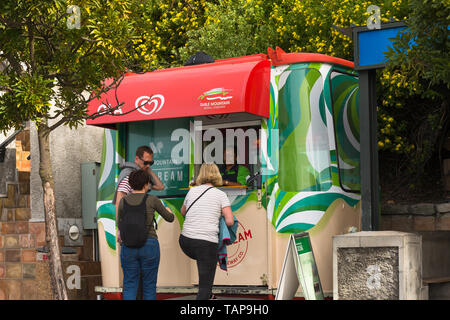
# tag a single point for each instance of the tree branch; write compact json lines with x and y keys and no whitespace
{"x":6,"y":88}
{"x":13,"y":62}
{"x":70,"y":110}
{"x":31,"y":44}
{"x":10,"y":23}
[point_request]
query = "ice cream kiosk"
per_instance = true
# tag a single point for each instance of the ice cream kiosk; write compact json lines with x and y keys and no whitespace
{"x":296,"y":117}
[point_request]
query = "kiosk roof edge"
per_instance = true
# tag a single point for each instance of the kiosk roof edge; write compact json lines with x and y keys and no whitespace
{"x":279,"y":57}
{"x":233,"y":85}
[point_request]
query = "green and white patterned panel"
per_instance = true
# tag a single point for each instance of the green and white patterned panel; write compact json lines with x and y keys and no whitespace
{"x":344,"y":91}
{"x":106,"y":211}
{"x":306,"y":182}
{"x":303,"y":132}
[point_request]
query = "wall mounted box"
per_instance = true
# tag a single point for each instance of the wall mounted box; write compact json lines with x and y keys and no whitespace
{"x":66,"y":226}
{"x":377,"y":265}
{"x":90,"y":172}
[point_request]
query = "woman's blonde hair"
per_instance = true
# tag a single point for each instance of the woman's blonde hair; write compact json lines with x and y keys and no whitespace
{"x":209,"y":173}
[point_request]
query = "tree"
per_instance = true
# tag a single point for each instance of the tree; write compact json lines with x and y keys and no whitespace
{"x":233,"y":28}
{"x":419,"y":69}
{"x":165,"y":25}
{"x":57,"y":56}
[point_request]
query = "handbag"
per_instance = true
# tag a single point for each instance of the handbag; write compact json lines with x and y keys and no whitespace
{"x":197,"y":199}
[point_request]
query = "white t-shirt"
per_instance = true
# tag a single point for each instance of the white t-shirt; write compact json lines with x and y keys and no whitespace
{"x":202,"y":220}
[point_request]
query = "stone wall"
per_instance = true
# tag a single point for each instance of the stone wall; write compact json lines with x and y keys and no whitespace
{"x":73,"y":265}
{"x":432,"y":222}
{"x":69,"y":149}
{"x":8,"y":166}
{"x":416,"y":217}
{"x":7,"y":170}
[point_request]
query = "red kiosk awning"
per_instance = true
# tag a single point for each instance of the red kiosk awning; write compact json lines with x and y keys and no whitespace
{"x":225,"y":86}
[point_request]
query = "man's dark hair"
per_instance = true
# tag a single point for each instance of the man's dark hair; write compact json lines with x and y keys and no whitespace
{"x":140,"y":151}
{"x":138,"y":179}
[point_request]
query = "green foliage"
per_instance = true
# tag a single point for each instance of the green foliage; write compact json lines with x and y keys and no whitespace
{"x":429,"y":57}
{"x":410,"y":114}
{"x":416,"y":82}
{"x":239,"y":27}
{"x":427,"y":60}
{"x":232,"y":28}
{"x":46,"y":61}
{"x":163,"y":26}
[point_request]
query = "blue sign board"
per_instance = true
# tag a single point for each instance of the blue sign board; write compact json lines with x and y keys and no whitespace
{"x":371,"y":45}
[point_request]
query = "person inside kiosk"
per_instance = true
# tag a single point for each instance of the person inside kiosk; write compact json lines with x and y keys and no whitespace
{"x":233,"y":174}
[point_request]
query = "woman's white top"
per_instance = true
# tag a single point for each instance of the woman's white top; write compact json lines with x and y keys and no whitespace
{"x":202,"y":220}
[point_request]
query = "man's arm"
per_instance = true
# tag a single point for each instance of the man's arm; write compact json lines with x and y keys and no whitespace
{"x":120,"y":195}
{"x":156,"y":183}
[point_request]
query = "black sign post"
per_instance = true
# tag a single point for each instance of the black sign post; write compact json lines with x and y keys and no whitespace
{"x":368,"y":150}
{"x":369,"y":48}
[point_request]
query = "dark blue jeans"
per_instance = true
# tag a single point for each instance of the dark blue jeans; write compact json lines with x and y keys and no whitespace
{"x":143,"y":260}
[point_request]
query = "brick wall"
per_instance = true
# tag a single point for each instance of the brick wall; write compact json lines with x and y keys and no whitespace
{"x":24,"y":271}
{"x":23,"y":151}
{"x":19,"y":238}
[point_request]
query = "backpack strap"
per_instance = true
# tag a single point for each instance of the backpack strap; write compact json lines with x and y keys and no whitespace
{"x":154,"y":219}
{"x":145,"y":200}
{"x":197,"y":199}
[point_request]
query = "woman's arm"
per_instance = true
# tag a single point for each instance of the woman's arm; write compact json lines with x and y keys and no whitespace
{"x":228,"y":215}
{"x":183,"y":210}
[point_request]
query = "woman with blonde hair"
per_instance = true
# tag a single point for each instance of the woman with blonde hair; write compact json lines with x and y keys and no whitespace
{"x":203,"y":206}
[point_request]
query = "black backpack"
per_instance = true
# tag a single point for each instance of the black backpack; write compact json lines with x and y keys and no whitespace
{"x":133,"y":224}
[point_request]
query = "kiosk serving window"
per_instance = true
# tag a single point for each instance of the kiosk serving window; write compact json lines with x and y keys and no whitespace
{"x":157,"y":135}
{"x":240,"y":139}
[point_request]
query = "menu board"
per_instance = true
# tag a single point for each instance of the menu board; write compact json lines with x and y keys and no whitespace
{"x":158,"y":135}
{"x":299,"y":268}
{"x":306,"y":268}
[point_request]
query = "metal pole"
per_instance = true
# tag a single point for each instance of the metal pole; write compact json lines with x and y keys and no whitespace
{"x":369,"y":150}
